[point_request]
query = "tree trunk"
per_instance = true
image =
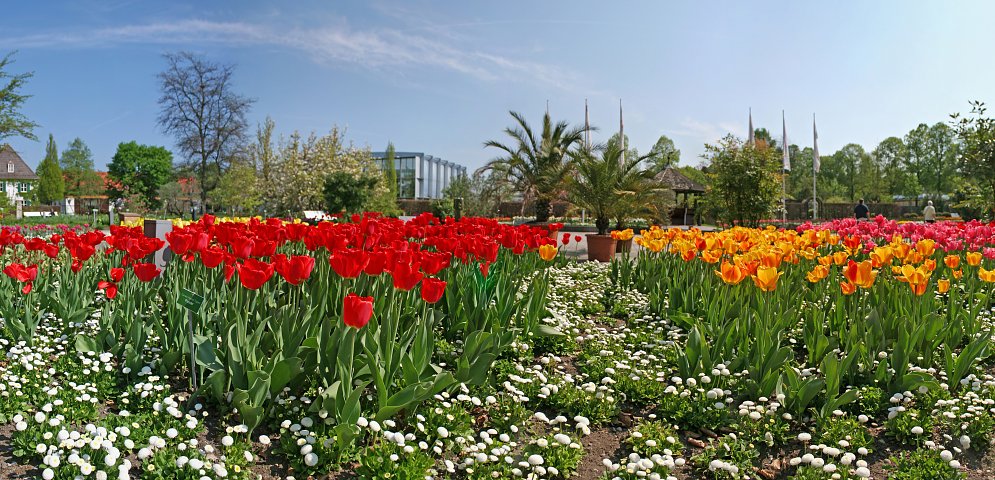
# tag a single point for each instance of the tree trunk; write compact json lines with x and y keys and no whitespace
{"x":542,"y":210}
{"x":601,"y":223}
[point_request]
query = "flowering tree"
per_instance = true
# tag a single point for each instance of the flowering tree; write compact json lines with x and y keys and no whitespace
{"x":745,"y":181}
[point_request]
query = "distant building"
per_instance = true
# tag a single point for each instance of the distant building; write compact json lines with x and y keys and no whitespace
{"x":16,"y":177}
{"x":420,"y":175}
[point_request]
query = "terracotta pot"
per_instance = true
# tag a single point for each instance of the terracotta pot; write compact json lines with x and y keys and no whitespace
{"x":623,"y":246}
{"x":600,"y":247}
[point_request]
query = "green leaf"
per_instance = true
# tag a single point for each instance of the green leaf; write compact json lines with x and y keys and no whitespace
{"x":85,"y":344}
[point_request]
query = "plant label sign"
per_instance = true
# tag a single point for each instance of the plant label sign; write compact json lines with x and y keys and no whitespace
{"x":190,"y":300}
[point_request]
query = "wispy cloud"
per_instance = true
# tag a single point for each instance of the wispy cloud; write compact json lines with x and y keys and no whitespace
{"x":336,"y":44}
{"x":708,"y":131}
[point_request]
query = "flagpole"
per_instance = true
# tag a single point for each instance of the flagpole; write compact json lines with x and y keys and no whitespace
{"x":621,"y":131}
{"x":784,"y":171}
{"x":587,"y":127}
{"x":815,"y":170}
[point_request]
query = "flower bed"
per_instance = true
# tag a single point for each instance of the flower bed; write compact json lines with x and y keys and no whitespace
{"x":471,"y":349}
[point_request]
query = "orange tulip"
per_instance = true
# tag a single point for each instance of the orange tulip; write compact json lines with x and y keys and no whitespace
{"x":951,"y":261}
{"x":750,"y":267}
{"x":986,"y":275}
{"x":731,"y":273}
{"x":973,"y":258}
{"x":852,"y":242}
{"x":958,"y":273}
{"x":848,"y":288}
{"x":689,"y":254}
{"x":818,"y":273}
{"x":711,"y":256}
{"x":766,"y":278}
{"x":943,"y":285}
{"x":925,"y":247}
{"x":840,"y":258}
{"x":917,"y":278}
{"x":771,"y":259}
{"x":547,"y":252}
{"x":827,"y":260}
{"x":881,"y":256}
{"x":901,"y":250}
{"x":860,"y":274}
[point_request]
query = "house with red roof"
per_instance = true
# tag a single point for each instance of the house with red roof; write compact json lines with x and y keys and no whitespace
{"x":16,"y":177}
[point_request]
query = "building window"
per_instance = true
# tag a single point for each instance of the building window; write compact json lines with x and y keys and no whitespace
{"x":10,"y":168}
{"x":23,"y":187}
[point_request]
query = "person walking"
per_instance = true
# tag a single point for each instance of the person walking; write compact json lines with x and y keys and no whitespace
{"x":861,"y":211}
{"x":929,"y":213}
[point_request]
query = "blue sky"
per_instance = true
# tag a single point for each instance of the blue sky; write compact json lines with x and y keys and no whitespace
{"x":439,"y":77}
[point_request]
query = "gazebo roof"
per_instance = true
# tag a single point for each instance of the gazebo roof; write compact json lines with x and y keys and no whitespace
{"x":676,"y":181}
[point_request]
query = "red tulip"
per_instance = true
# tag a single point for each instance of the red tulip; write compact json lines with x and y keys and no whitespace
{"x":577,"y":238}
{"x":211,"y":257}
{"x":208,"y":219}
{"x":52,"y":251}
{"x":356,"y":310}
{"x":376,"y":263}
{"x":229,"y":270}
{"x":433,"y":263}
{"x":146,"y":272}
{"x":405,"y":276}
{"x":109,"y":288}
{"x":484,"y":268}
{"x":179,"y":242}
{"x":348,"y":263}
{"x":566,"y":239}
{"x":21,"y":273}
{"x":25,"y":275}
{"x":76,"y":266}
{"x":117,"y":274}
{"x":241,"y":247}
{"x":254,"y":273}
{"x":432,"y":289}
{"x":200,"y":241}
{"x":295,"y":269}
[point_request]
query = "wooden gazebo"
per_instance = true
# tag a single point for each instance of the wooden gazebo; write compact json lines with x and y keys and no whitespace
{"x":681,"y":185}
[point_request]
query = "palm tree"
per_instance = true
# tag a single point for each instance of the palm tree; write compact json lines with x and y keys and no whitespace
{"x":536,"y":166}
{"x":609,"y":187}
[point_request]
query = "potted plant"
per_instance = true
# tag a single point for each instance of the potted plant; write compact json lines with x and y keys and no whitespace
{"x":623,"y":240}
{"x":609,"y":187}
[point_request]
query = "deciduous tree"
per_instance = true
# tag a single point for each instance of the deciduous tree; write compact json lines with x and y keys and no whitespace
{"x":140,"y":170}
{"x":13,"y":123}
{"x":977,"y":152}
{"x":77,"y":168}
{"x":201,"y":109}
{"x":745,"y":180}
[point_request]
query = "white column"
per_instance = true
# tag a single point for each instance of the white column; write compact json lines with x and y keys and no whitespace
{"x":447,"y":170}
{"x":419,"y":177}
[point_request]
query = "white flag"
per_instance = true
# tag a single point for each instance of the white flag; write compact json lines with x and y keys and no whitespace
{"x":621,"y":131}
{"x":750,"y":134}
{"x":784,"y":143}
{"x":587,"y":127}
{"x":815,"y":146}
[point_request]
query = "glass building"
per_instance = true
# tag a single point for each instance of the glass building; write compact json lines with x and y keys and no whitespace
{"x":420,"y":175}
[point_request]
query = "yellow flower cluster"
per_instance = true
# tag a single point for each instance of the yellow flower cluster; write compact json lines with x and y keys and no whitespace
{"x":762,"y":254}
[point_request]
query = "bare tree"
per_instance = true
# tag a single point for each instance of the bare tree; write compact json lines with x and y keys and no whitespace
{"x":201,"y":110}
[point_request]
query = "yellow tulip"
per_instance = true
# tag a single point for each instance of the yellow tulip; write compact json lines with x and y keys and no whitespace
{"x":766,"y":278}
{"x":986,"y":275}
{"x":547,"y":252}
{"x":973,"y":258}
